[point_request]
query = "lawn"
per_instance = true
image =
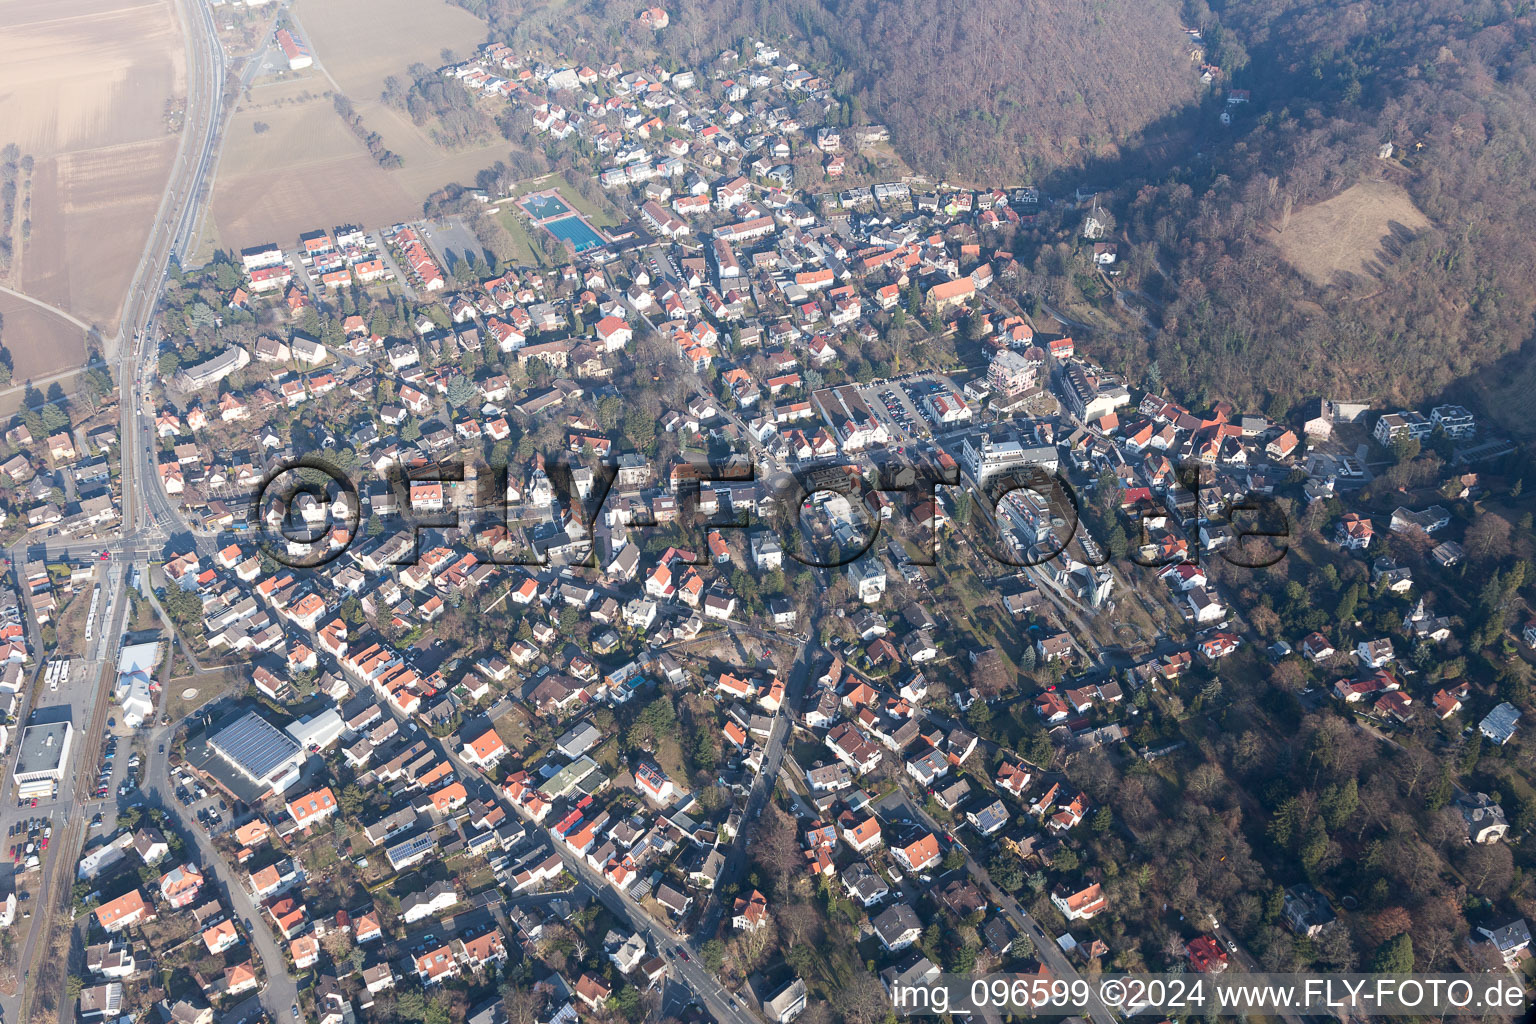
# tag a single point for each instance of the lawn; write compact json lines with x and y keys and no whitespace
{"x":524,"y":253}
{"x":202,"y":689}
{"x":516,"y":732}
{"x":514,"y":222}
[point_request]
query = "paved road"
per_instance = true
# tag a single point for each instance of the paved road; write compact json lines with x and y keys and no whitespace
{"x":298,"y":29}
{"x":684,"y":956}
{"x":705,"y":987}
{"x":192,"y":231}
{"x":135,"y":344}
{"x":281,"y":990}
{"x":148,"y":516}
{"x":762,"y":786}
{"x":83,"y":702}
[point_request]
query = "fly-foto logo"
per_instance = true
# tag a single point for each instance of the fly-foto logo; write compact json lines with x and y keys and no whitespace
{"x":309,"y":511}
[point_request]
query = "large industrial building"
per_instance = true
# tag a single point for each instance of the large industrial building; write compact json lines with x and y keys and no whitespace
{"x":265,"y":757}
{"x":42,"y":758}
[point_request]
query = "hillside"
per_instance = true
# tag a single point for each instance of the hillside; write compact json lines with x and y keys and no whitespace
{"x":1440,"y":301}
{"x":1281,"y":256}
{"x":1001,"y":91}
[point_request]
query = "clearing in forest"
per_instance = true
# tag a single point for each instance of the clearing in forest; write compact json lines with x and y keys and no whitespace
{"x":1353,"y":234}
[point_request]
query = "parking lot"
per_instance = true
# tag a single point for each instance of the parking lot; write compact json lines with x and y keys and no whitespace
{"x":451,"y":241}
{"x":116,"y":782}
{"x":210,"y":808}
{"x":26,"y":843}
{"x":107,"y":772}
{"x":899,"y":404}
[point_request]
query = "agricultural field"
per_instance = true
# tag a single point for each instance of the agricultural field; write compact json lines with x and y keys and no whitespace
{"x":304,"y":169}
{"x":1350,"y":234}
{"x":40,"y":343}
{"x":360,"y":43}
{"x":289,"y":165}
{"x":91,"y":95}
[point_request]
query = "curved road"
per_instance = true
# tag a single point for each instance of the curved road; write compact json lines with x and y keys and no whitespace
{"x":184,"y":196}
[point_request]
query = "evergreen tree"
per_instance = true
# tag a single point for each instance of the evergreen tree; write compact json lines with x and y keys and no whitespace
{"x":1348,"y":604}
{"x":461,"y":392}
{"x":1395,"y":956}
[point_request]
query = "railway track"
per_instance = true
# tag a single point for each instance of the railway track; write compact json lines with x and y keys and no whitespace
{"x":55,"y":897}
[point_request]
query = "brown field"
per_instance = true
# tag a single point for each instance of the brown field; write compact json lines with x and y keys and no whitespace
{"x":428,"y":167}
{"x":362,"y":42}
{"x":83,"y":90}
{"x":40,"y":342}
{"x":307,"y":170}
{"x":91,"y":213}
{"x":1352,"y":234}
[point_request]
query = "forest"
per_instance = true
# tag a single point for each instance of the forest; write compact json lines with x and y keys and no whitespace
{"x":1004,"y":92}
{"x":448,"y":109}
{"x":1450,"y":86}
{"x":1058,"y":93}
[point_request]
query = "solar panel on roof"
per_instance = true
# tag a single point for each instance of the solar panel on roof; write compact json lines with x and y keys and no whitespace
{"x":255,"y":745}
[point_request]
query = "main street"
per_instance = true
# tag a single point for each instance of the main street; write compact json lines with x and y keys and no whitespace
{"x":667,"y":939}
{"x":186,"y":192}
{"x":147,"y":516}
{"x":149,"y":519}
{"x":82,"y":701}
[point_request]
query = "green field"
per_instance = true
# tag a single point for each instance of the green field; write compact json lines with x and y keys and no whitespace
{"x":523,"y":251}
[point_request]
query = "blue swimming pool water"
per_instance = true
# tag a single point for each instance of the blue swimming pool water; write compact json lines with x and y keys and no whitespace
{"x":574,"y":230}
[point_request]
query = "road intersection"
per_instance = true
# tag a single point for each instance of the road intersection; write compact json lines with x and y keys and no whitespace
{"x":148,"y":518}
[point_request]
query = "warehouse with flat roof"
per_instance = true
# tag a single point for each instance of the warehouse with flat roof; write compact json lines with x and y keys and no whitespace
{"x":262,"y":754}
{"x":42,"y":758}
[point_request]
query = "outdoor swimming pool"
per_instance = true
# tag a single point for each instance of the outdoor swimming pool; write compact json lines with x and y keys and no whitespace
{"x":544,"y":207}
{"x":574,"y":230}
